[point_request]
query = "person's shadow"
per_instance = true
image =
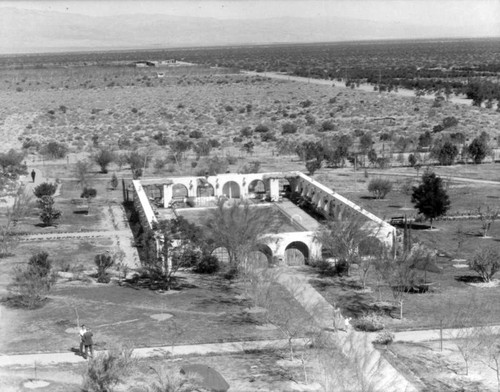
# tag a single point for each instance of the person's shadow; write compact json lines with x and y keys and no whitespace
{"x":77,"y":352}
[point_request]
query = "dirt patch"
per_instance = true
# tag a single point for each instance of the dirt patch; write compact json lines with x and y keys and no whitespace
{"x":161,"y":316}
{"x":35,"y":384}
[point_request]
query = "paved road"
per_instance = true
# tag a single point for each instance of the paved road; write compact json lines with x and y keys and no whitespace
{"x":452,"y":178}
{"x":183,"y":350}
{"x":363,"y":87}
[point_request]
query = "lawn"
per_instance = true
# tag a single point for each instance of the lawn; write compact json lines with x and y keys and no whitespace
{"x":451,"y":289}
{"x":205,"y":309}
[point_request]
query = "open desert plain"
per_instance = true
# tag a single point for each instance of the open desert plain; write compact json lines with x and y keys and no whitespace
{"x":129,"y":261}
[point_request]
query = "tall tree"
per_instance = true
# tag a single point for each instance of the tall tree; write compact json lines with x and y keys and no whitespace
{"x":103,"y":158}
{"x":430,"y":197}
{"x":340,"y":240}
{"x":238,"y":227}
{"x":478,"y":149}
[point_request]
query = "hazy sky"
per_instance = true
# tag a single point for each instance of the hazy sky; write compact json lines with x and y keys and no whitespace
{"x":427,"y":12}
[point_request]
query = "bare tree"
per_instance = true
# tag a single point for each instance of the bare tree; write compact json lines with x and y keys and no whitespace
{"x":340,"y":239}
{"x":490,"y":351}
{"x":267,"y":293}
{"x":82,"y":173}
{"x":486,"y":262}
{"x":13,"y":214}
{"x":238,"y":227}
{"x":467,"y":331}
{"x":487,"y":217}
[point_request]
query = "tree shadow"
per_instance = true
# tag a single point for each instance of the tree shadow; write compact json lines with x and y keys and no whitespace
{"x":469,"y":279}
{"x":17,"y":302}
{"x":412,"y":226}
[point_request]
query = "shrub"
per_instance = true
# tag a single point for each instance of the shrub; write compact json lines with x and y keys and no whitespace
{"x":306,"y":103}
{"x":379,"y":187}
{"x":261,"y":128}
{"x":103,"y":262}
{"x":31,"y":283}
{"x":231,"y":159}
{"x":40,"y":263}
{"x":88,"y":193}
{"x":208,"y":264}
{"x":288,"y":128}
{"x":54,"y":150}
{"x":486,"y":262}
{"x":12,"y":164}
{"x":310,"y":119}
{"x":159,"y":164}
{"x":49,"y":213}
{"x":196,"y":134}
{"x":327,"y":125}
{"x":103,"y":158}
{"x":246,"y":132}
{"x":325,"y":268}
{"x":114,"y":181}
{"x":250,"y":167}
{"x":384,"y":337}
{"x":449,"y":122}
{"x":214,"y":143}
{"x":45,"y":189}
{"x":313,"y":165}
{"x":371,"y":322}
{"x":108,"y":369}
{"x":267,"y":137}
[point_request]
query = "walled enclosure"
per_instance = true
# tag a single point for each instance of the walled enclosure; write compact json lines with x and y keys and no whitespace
{"x":240,"y":186}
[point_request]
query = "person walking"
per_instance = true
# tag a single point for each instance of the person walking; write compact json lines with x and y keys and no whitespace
{"x":88,"y":343}
{"x":33,"y":175}
{"x":82,"y":331}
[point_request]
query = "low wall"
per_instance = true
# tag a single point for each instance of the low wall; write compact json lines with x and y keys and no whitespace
{"x":142,"y":206}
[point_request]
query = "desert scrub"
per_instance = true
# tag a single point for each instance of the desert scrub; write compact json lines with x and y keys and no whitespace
{"x":384,"y":337}
{"x":371,"y":322}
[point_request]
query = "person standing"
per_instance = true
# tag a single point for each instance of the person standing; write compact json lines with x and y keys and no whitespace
{"x":82,"y":331}
{"x":88,"y":343}
{"x":33,"y":175}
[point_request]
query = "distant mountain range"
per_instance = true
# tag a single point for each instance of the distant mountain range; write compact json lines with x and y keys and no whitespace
{"x":25,"y":31}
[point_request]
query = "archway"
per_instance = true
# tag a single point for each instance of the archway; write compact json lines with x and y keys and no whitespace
{"x":260,"y":257}
{"x":222,"y":254}
{"x":296,"y":253}
{"x":256,"y":186}
{"x":179,"y":191}
{"x":285,"y":187}
{"x":205,"y":190}
{"x":231,"y":190}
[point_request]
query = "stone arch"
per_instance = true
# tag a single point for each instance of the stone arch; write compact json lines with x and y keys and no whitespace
{"x":231,"y":189}
{"x":286,"y":186}
{"x":222,"y":254}
{"x":179,"y":191}
{"x":296,"y":253}
{"x":261,"y":256}
{"x":205,"y":190}
{"x":257,"y":186}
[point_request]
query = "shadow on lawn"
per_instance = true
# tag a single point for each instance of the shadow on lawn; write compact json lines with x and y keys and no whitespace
{"x":341,"y":294}
{"x":469,"y":279}
{"x":144,"y":282}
